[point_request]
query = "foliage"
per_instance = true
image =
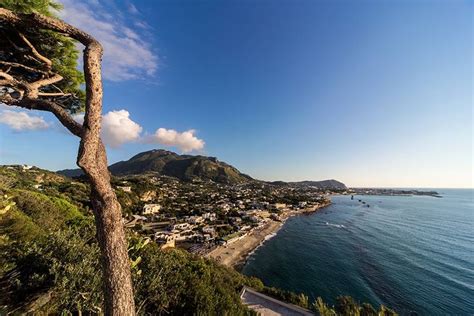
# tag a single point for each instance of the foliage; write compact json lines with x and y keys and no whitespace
{"x":177,"y":282}
{"x":54,"y":266}
{"x":287,"y":296}
{"x":29,"y":6}
{"x":347,"y":306}
{"x":61,"y":50}
{"x":46,"y":211}
{"x":6,"y":204}
{"x":19,"y":226}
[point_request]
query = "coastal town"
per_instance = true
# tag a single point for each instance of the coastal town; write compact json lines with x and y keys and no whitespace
{"x":209,"y":218}
{"x":223,"y":221}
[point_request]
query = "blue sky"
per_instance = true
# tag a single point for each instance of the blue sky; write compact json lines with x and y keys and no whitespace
{"x":372,"y":93}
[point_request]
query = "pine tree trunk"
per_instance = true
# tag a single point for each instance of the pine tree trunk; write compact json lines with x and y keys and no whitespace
{"x":115,"y":263}
{"x":92,"y":158}
{"x":118,"y":288}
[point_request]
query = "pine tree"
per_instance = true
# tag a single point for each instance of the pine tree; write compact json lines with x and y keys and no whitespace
{"x":38,"y":71}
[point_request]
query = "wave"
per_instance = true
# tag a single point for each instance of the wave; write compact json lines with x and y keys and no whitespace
{"x":266,"y":238}
{"x":335,"y":225}
{"x":269,"y":236}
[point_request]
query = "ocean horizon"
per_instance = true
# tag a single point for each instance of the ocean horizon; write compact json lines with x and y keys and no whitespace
{"x":411,"y":253}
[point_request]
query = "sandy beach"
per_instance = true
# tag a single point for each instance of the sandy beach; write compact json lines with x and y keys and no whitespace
{"x":235,"y":254}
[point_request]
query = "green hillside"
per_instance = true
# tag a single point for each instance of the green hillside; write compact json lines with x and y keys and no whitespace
{"x":50,"y":260}
{"x":167,"y":163}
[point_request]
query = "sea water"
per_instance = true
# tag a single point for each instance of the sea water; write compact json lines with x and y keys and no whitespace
{"x":411,"y":253}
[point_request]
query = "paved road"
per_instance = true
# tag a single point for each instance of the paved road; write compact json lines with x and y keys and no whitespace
{"x":268,"y":306}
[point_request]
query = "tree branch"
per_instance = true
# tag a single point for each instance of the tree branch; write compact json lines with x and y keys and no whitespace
{"x":16,"y":85}
{"x":47,"y":81}
{"x":53,"y":94}
{"x":90,"y":141}
{"x":45,"y":60}
{"x":49,"y":106}
{"x":17,"y":65}
{"x":7,"y":76}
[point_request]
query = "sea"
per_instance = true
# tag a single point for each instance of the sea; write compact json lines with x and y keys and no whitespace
{"x":414,"y":254}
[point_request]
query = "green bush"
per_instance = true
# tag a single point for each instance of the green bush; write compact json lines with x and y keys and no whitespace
{"x":48,"y":212}
{"x":347,"y":306}
{"x":297,"y":299}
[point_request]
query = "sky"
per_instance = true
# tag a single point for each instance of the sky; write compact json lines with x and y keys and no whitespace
{"x":371,"y":93}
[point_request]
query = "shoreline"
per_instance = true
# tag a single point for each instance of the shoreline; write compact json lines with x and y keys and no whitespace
{"x":236,"y":254}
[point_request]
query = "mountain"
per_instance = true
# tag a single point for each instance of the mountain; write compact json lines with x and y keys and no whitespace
{"x":188,"y":167}
{"x":71,"y":173}
{"x":324,"y":185}
{"x":167,"y":163}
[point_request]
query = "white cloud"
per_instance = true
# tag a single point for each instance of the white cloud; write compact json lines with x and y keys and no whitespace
{"x":132,"y":9}
{"x":117,"y":128}
{"x":127,"y":55}
{"x":21,"y":121}
{"x":185,"y":141}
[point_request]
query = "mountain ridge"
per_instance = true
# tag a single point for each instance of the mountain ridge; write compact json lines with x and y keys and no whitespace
{"x":189,"y":167}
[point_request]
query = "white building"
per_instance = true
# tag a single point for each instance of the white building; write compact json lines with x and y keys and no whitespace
{"x":180,"y":227}
{"x":278,"y":206}
{"x":209,"y":216}
{"x":208,"y":230}
{"x":125,"y":189}
{"x":195,"y":219}
{"x":149,"y":209}
{"x":166,"y":239}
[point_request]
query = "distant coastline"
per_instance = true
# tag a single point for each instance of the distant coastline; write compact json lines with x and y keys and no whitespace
{"x":236,"y":254}
{"x":392,"y":192}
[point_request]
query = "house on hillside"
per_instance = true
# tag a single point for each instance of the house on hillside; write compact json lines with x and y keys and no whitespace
{"x":278,"y":206}
{"x":150,"y":209}
{"x":125,"y":188}
{"x":195,"y":219}
{"x":166,"y":239}
{"x":302,"y":204}
{"x":209,"y":216}
{"x":134,"y":220}
{"x":180,"y":227}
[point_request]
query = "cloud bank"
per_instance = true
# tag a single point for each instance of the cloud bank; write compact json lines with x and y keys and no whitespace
{"x":127,"y":54}
{"x":185,"y":141}
{"x":119,"y":129}
{"x":22,"y":121}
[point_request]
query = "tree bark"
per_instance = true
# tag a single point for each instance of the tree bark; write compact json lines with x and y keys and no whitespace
{"x":113,"y":245}
{"x":92,"y":157}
